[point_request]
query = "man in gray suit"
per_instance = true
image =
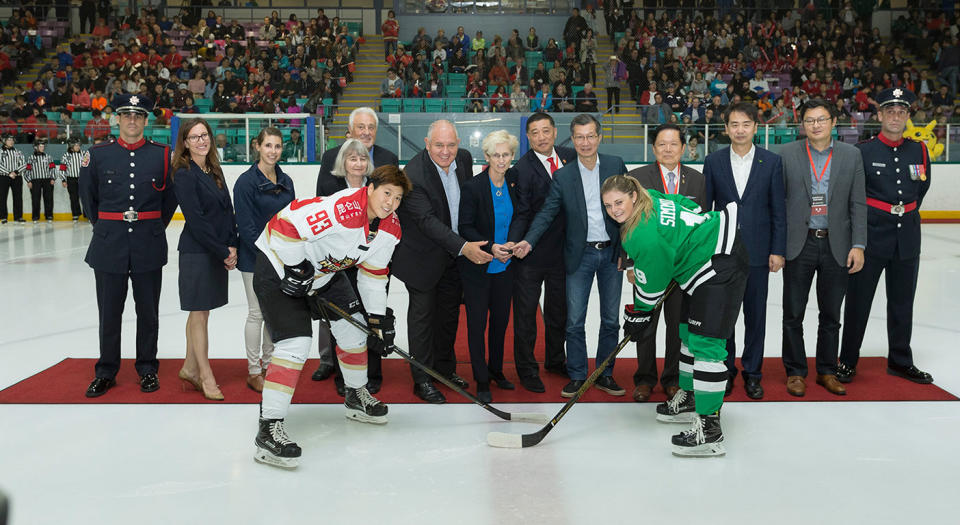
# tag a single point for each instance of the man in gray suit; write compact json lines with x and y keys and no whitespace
{"x":826,"y":235}
{"x":666,"y":175}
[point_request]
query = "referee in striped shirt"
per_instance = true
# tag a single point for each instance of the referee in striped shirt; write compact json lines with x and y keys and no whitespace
{"x":12,"y":164}
{"x":70,"y":174}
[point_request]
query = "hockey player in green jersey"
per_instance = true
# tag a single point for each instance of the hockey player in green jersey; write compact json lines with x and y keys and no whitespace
{"x":669,"y":239}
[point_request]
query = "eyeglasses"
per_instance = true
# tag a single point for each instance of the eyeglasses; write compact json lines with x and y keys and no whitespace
{"x":812,"y":121}
{"x":585,"y":138}
{"x":499,"y":156}
{"x":193,"y":139}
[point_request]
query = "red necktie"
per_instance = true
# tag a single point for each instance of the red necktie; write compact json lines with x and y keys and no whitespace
{"x":553,"y":165}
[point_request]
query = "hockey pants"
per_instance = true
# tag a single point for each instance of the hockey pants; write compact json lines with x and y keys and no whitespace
{"x":702,"y":369}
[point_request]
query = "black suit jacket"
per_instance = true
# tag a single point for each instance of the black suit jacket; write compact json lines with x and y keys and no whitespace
{"x":210,"y":226}
{"x":692,"y":185}
{"x":328,"y":183}
{"x":477,"y":220}
{"x":428,"y":243}
{"x":533,"y":184}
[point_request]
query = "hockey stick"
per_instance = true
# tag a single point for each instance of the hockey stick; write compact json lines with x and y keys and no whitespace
{"x":528,"y":417}
{"x":506,"y":440}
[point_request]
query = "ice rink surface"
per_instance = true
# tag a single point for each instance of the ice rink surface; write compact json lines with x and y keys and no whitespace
{"x":786,"y":463}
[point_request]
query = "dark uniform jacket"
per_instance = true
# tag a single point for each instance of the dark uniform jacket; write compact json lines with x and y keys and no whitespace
{"x":117,"y":177}
{"x":533,"y":184}
{"x":895,"y":173}
{"x":210,"y":226}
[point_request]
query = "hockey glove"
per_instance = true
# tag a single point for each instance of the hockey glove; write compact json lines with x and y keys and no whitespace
{"x":297,"y":280}
{"x":383,"y":325}
{"x":635,"y":322}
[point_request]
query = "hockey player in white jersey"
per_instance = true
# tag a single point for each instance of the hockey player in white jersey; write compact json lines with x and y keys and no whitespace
{"x":303,"y":249}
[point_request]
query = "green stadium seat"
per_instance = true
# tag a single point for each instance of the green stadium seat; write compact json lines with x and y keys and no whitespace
{"x":457,"y":91}
{"x":413,"y":105}
{"x":390,"y":105}
{"x":575,"y":90}
{"x":328,"y":107}
{"x":457,"y":79}
{"x":434,"y":105}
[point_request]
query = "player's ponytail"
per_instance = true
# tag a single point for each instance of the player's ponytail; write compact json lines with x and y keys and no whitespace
{"x":642,"y":209}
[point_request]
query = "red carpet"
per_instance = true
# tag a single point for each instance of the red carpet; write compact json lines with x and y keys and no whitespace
{"x":65,"y":383}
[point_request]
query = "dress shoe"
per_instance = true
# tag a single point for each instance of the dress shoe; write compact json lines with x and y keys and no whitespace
{"x":671,"y":391}
{"x":571,"y":388}
{"x":149,"y":383}
{"x":845,"y":373}
{"x":501,"y":382}
{"x":483,"y":392}
{"x":193,"y":381}
{"x":533,"y":384}
{"x":459,"y":381}
{"x":797,"y":386}
{"x":560,"y":370}
{"x":373,"y":385}
{"x":608,"y":385}
{"x":641,"y":394}
{"x":910,"y":373}
{"x":323,"y":372}
{"x":829,"y":381}
{"x":753,"y":388}
{"x":429,"y":393}
{"x":255,"y":382}
{"x":341,"y":390}
{"x":99,"y":386}
{"x":729,"y":389}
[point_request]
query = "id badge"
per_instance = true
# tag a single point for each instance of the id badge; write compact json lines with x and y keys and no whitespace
{"x":819,"y":206}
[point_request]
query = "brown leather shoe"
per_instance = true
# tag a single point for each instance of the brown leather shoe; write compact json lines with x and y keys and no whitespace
{"x":829,"y":381}
{"x":255,"y":382}
{"x":796,"y":386}
{"x":641,"y":394}
{"x":671,"y":391}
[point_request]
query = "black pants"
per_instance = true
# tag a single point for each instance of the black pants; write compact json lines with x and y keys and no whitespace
{"x":646,"y":373}
{"x":14,"y":186}
{"x":73,"y":188}
{"x":87,"y":20}
{"x":490,"y":297}
{"x":42,"y":189}
{"x":817,"y":259}
{"x":528,"y":280}
{"x":901,"y":284}
{"x":432,"y":318}
{"x":613,"y":94}
{"x":755,"y":325}
{"x":111,"y":296}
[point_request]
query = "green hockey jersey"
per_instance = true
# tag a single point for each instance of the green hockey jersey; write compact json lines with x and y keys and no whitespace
{"x":676,"y":243}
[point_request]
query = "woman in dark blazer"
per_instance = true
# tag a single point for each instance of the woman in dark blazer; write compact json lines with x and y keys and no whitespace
{"x":208,"y":244}
{"x":258,"y":195}
{"x":486,"y":209}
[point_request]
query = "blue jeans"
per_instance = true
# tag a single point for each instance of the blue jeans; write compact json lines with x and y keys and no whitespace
{"x":609,"y":281}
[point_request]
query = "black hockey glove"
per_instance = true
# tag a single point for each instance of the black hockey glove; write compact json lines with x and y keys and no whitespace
{"x":635,"y":322}
{"x":297,"y":280}
{"x":383,"y":325}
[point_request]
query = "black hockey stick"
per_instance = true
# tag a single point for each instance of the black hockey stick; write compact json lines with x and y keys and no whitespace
{"x":528,"y":417}
{"x":506,"y":440}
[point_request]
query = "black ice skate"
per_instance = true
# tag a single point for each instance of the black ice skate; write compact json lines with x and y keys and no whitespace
{"x":363,"y":407}
{"x":274,"y":447}
{"x":704,"y":439}
{"x":678,"y":409}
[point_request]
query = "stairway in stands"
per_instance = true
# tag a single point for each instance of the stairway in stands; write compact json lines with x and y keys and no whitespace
{"x":25,"y":80}
{"x":371,"y":69}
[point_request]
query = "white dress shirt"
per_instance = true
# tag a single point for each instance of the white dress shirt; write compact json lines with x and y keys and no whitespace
{"x":596,"y":228}
{"x":741,"y":168}
{"x":545,"y":160}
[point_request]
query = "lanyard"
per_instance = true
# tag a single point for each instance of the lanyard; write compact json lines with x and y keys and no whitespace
{"x":814,"y":168}
{"x":676,"y":173}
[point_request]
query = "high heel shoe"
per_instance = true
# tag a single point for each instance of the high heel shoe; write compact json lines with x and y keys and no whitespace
{"x":214,"y":394}
{"x":188,"y":379}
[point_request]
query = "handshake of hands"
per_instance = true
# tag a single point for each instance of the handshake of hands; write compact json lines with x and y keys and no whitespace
{"x":502,"y":252}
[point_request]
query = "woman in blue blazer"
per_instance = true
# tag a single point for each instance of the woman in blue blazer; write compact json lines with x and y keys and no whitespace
{"x":258,"y":195}
{"x":208,"y":244}
{"x":486,"y":210}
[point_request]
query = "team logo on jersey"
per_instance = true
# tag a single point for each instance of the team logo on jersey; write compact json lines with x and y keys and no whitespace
{"x":85,"y":161}
{"x":333,"y":265}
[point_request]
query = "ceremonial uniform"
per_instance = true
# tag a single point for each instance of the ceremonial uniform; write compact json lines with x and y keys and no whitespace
{"x":70,"y":173}
{"x":129,"y":199}
{"x":12,"y":164}
{"x":40,"y":174}
{"x":897,"y":178}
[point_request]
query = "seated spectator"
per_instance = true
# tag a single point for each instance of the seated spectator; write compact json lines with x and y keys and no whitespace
{"x":940,"y":98}
{"x":498,"y":73}
{"x":476,"y":94}
{"x":586,"y":100}
{"x":500,"y":101}
{"x":532,"y":42}
{"x":478,"y":42}
{"x":458,"y":63}
{"x":435,"y":87}
{"x":392,"y":86}
{"x":97,"y":127}
{"x":544,"y":100}
{"x":562,"y":100}
{"x":552,"y":53}
{"x":519,"y":101}
{"x":293,"y":148}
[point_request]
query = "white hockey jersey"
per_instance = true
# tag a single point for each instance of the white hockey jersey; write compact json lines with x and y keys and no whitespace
{"x":333,"y":233}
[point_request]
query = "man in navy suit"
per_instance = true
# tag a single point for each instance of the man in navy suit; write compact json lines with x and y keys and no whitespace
{"x":592,"y":246}
{"x":543,"y":268}
{"x":753,"y":178}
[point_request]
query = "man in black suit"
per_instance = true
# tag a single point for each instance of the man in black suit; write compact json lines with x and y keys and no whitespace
{"x":520,"y":73}
{"x":544,"y":266}
{"x":362,"y":125}
{"x":425,"y":259}
{"x":667,"y":176}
